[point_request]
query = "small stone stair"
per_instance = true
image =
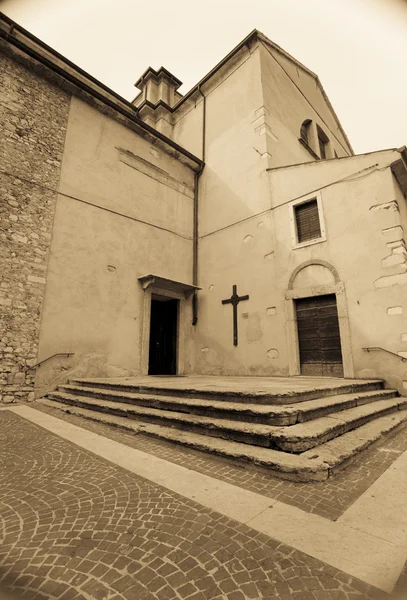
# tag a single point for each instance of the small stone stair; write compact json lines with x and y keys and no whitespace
{"x":300,"y":436}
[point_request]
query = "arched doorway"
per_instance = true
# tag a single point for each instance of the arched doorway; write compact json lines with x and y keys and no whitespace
{"x":318,"y":325}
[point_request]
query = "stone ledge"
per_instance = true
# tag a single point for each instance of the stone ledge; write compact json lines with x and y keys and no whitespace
{"x":317,"y":464}
{"x":190,"y":390}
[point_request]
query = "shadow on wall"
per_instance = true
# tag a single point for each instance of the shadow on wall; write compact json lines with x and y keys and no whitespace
{"x":59,"y":370}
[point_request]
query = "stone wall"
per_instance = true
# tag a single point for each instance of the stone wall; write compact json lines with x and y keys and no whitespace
{"x":33,"y":120}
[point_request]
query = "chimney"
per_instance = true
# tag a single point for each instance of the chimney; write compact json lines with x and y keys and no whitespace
{"x":157,"y":87}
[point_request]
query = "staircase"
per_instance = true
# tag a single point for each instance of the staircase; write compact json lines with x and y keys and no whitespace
{"x":300,"y":434}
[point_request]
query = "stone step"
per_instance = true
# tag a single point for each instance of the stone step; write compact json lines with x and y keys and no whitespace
{"x":240,"y":431}
{"x":313,"y":465}
{"x":303,"y":436}
{"x":218,"y":392}
{"x":313,"y":409}
{"x":237,"y":411}
{"x":294,"y":438}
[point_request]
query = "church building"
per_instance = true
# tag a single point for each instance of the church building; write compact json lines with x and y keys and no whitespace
{"x":229,"y":231}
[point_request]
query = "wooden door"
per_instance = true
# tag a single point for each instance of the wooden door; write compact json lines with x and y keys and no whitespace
{"x":318,"y":336}
{"x":163,"y":337}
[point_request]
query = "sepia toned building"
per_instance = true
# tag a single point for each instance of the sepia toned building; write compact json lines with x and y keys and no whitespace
{"x":125,"y":226}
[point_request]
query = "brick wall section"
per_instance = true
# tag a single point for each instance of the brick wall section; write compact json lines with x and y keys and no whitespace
{"x":33,"y":121}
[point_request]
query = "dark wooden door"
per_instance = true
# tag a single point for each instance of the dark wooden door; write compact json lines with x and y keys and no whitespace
{"x":163,"y":337}
{"x":318,"y":336}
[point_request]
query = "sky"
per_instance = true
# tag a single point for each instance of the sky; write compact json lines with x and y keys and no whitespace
{"x":358,"y":48}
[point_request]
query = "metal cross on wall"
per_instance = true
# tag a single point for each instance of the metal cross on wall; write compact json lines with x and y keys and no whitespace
{"x":234,"y":301}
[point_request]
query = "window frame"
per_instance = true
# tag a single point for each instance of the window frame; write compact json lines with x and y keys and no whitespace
{"x":308,"y":127}
{"x":305,"y":131}
{"x":323,"y":142}
{"x":293,"y":221}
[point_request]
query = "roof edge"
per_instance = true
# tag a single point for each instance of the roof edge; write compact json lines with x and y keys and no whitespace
{"x":284,"y":53}
{"x":252,"y":35}
{"x":263,"y":38}
{"x":268,"y":41}
{"x":328,"y":160}
{"x":27,"y":43}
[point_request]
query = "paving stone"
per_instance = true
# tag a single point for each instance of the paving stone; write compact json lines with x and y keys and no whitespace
{"x":50,"y":482}
{"x":328,"y":498}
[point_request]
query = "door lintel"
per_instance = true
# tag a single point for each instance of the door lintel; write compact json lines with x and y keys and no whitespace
{"x":169,"y":285}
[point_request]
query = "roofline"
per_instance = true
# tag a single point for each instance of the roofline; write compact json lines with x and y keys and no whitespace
{"x":269,"y":42}
{"x":402,"y":151}
{"x":8,"y":36}
{"x":253,"y":34}
{"x":15,"y":26}
{"x":263,"y":38}
{"x":110,"y":98}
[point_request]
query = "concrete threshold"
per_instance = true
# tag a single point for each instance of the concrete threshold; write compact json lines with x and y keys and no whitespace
{"x":369,"y":541}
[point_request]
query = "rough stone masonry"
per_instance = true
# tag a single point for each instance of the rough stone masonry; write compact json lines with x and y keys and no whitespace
{"x":35,"y":113}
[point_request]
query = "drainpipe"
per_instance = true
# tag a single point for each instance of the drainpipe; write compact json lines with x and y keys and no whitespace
{"x":196,"y":205}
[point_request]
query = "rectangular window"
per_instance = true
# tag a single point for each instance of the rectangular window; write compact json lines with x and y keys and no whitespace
{"x":322,"y":148}
{"x":322,"y":142}
{"x":307,"y":221}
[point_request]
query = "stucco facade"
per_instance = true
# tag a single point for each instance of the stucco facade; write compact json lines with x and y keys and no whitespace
{"x":124,"y":210}
{"x":182,"y":197}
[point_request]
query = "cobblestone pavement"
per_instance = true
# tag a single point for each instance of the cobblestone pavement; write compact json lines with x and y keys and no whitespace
{"x":76,"y":527}
{"x":328,"y":499}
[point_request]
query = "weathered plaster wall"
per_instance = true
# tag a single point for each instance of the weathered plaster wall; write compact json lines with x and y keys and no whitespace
{"x":233,"y":188}
{"x":233,"y":185}
{"x":355,"y":213}
{"x":361,"y":220}
{"x":188,"y":125}
{"x":251,"y":126}
{"x":242,"y":255}
{"x":236,"y":227}
{"x":125,"y":209}
{"x":33,"y":118}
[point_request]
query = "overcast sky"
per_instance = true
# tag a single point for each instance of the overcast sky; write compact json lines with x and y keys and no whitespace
{"x":357,"y":47}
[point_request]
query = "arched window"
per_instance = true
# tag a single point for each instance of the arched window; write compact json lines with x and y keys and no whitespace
{"x":304,"y":132}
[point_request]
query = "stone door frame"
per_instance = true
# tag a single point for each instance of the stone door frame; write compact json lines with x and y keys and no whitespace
{"x":169,"y":288}
{"x":145,"y":336}
{"x":337,"y":288}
